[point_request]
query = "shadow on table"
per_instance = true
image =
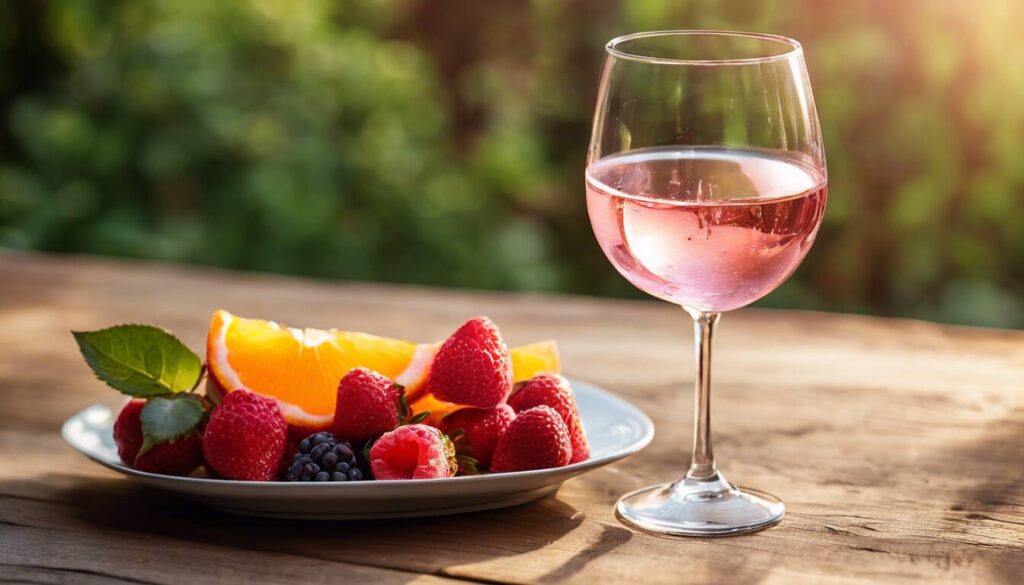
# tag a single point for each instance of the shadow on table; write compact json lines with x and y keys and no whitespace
{"x":996,"y":467}
{"x":421,"y":545}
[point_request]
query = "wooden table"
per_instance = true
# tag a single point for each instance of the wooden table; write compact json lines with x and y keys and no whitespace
{"x":898,"y":446}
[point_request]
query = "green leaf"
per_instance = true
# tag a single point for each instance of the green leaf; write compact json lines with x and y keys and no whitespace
{"x":167,"y":419}
{"x":366,"y":449}
{"x":456,"y":436}
{"x":467,"y":465}
{"x":418,"y":418}
{"x":140,"y":360}
{"x":403,"y":404}
{"x":213,"y":391}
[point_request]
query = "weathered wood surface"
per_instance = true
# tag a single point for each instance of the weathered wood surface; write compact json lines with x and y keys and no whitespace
{"x":897,"y":445}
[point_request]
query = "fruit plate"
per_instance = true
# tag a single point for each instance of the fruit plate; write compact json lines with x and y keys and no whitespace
{"x":614,"y":428}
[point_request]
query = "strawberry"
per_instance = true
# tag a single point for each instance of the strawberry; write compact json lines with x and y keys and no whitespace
{"x":553,"y":390}
{"x":178,"y":457}
{"x":245,"y":437}
{"x":476,"y":431}
{"x":472,"y":367}
{"x":536,"y":439}
{"x":369,"y":405}
{"x":413,"y":452}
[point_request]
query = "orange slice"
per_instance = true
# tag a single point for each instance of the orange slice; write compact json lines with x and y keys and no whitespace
{"x":533,"y":359}
{"x":300,"y":368}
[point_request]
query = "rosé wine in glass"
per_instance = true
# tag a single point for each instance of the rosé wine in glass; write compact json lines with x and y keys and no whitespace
{"x":706,"y":184}
{"x":711,"y":229}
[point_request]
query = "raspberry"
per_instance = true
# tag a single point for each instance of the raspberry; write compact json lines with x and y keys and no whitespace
{"x":245,"y":437}
{"x":178,"y":457}
{"x":472,"y":367}
{"x":413,"y":452}
{"x":554,"y":391}
{"x":321,"y":457}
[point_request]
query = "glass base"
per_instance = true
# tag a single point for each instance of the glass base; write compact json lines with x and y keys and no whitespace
{"x":692,"y":507}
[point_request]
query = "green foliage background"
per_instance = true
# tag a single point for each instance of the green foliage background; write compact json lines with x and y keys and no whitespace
{"x":443,"y":142}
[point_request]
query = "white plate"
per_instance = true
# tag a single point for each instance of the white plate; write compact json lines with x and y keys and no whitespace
{"x":614,"y":427}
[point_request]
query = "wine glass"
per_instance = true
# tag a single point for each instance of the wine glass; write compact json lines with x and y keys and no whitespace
{"x":706,"y":185}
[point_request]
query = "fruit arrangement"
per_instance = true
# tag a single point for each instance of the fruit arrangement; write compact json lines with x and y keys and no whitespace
{"x":335,"y":406}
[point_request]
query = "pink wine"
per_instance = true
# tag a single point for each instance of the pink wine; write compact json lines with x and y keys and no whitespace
{"x":708,"y":228}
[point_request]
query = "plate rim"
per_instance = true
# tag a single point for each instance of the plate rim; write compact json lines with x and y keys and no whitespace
{"x":570,"y":470}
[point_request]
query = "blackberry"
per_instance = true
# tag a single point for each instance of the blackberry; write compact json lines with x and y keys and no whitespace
{"x":321,"y":457}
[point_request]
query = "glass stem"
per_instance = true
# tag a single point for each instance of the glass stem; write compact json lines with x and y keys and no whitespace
{"x":702,"y":465}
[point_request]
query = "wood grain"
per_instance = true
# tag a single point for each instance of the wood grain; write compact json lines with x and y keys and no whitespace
{"x":897,"y":445}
